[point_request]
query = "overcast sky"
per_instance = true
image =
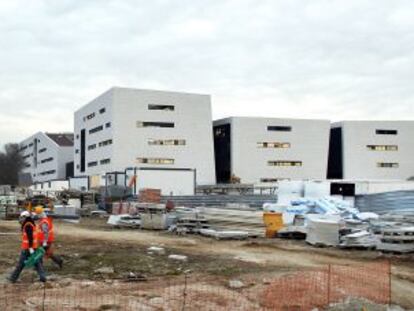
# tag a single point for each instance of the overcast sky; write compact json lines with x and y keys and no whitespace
{"x":348,"y":59}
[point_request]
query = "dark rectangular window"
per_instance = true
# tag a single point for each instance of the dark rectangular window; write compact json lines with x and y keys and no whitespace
{"x":90,"y":116}
{"x":167,"y":142}
{"x":96,"y":129}
{"x":382,"y":147}
{"x":161,"y":107}
{"x":269,"y":180}
{"x":279,"y":128}
{"x":284,"y":163}
{"x":48,"y":172}
{"x":83,"y":150}
{"x":388,"y":164}
{"x":108,"y":124}
{"x":42,"y":150}
{"x":222,"y":147}
{"x":77,"y":151}
{"x":155,"y":160}
{"x":154,"y":124}
{"x":46,"y":160}
{"x":273,"y":145}
{"x":105,"y":143}
{"x":93,"y":163}
{"x":386,"y":132}
{"x":105,"y":161}
{"x":91,"y":147}
{"x":31,"y":145}
{"x":335,"y":161}
{"x":102,"y":110}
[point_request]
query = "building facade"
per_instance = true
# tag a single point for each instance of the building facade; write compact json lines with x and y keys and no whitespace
{"x":47,"y":156}
{"x":372,"y":150}
{"x":265,"y":150}
{"x":126,"y":127}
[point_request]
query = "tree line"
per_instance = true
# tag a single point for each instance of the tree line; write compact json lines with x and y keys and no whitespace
{"x":11,"y":164}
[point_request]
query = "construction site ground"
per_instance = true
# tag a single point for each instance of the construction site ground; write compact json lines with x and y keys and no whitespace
{"x":92,"y":245}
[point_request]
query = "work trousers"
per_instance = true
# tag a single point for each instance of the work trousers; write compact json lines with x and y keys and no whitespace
{"x":24,"y":255}
{"x":49,"y":254}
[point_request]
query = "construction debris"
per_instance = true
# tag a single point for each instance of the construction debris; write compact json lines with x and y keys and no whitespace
{"x":125,"y":220}
{"x":360,"y":239}
{"x":156,"y":250}
{"x":225,"y":234}
{"x":178,"y":257}
{"x":236,"y":284}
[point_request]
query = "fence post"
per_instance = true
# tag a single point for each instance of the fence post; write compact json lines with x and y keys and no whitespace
{"x":185,"y":292}
{"x":389,"y":282}
{"x":329,"y":284}
{"x":44,"y":296}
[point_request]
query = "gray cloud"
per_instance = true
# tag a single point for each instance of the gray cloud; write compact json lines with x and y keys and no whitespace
{"x":309,"y":59}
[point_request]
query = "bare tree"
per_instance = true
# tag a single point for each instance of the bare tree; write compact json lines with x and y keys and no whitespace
{"x":11,"y":164}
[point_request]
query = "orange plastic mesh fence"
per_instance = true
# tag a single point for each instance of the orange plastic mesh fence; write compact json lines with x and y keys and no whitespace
{"x":335,"y":283}
{"x":298,"y":291}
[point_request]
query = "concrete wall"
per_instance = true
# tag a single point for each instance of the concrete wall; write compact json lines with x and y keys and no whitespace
{"x":126,"y":107}
{"x":361,"y":163}
{"x":308,"y":139}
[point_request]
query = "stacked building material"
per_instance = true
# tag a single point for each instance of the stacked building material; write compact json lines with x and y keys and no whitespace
{"x":360,"y":239}
{"x":191,"y":224}
{"x":397,"y":239}
{"x":252,"y":200}
{"x":150,"y":195}
{"x":126,"y":221}
{"x":249,"y":220}
{"x":323,"y":230}
{"x":225,"y":234}
{"x":386,"y":202}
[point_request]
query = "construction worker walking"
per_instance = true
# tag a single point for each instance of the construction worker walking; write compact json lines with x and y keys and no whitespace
{"x":46,"y":235}
{"x":28,"y":247}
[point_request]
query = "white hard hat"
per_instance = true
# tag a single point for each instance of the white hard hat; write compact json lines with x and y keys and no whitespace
{"x":24,"y":214}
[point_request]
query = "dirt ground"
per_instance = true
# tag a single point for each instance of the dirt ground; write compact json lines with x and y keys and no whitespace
{"x":92,"y":245}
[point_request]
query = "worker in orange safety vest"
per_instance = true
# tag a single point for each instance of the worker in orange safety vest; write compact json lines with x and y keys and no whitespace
{"x":28,"y":247}
{"x":46,"y":235}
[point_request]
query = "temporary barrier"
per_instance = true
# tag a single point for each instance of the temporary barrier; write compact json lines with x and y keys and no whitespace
{"x":334,"y":283}
{"x":303,"y":290}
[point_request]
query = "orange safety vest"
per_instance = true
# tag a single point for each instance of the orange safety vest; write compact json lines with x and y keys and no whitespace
{"x":25,"y":238}
{"x":40,"y":233}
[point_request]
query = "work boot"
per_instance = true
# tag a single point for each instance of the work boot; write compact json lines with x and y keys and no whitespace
{"x":59,"y":261}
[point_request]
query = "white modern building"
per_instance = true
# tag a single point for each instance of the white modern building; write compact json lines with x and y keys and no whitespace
{"x":47,"y":156}
{"x":372,"y":150}
{"x":124,"y":128}
{"x":266,"y":150}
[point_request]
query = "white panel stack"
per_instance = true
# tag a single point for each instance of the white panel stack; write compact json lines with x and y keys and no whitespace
{"x":323,"y":229}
